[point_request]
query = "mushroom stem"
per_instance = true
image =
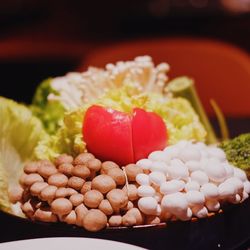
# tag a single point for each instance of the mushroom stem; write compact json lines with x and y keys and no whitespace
{"x":126,"y":178}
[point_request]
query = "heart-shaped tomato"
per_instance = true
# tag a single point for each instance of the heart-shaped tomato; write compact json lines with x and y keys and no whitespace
{"x":121,"y":137}
{"x":149,"y":133}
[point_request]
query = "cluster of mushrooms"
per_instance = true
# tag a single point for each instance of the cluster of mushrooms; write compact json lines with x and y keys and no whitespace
{"x":183,"y":181}
{"x":81,"y":191}
{"x":188,"y":180}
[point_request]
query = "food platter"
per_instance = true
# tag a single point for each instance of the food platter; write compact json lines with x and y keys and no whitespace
{"x":137,"y":163}
{"x":226,"y":230}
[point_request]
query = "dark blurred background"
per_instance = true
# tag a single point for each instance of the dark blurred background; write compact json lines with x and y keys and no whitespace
{"x":42,"y":38}
{"x":39,"y":38}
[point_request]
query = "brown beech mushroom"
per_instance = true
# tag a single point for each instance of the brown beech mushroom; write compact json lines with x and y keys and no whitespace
{"x":165,"y":215}
{"x":70,"y":218}
{"x":76,"y":199}
{"x":137,"y":214}
{"x":117,"y":175}
{"x":81,"y":211}
{"x":26,"y":195}
{"x":46,"y":170}
{"x":128,"y":220}
{"x":61,"y":206}
{"x":115,"y":221}
{"x":86,"y":187}
{"x":66,"y":168}
{"x":106,"y":207}
{"x":31,"y":167}
{"x":94,"y":165}
{"x":45,"y":215}
{"x":48,"y":193}
{"x":152,"y":219}
{"x":62,"y":192}
{"x":132,"y":171}
{"x":93,"y":198}
{"x":131,"y":191}
{"x":83,"y":158}
{"x":81,"y":171}
{"x":117,"y":198}
{"x":75,"y":182}
{"x":28,"y":209}
{"x":92,"y":175}
{"x":132,"y":217}
{"x":108,"y":165}
{"x":71,"y":191}
{"x":37,"y":188}
{"x":32,"y":178}
{"x":103,"y":183}
{"x":58,"y":180}
{"x":129,"y":206}
{"x":64,"y":158}
{"x":94,"y":220}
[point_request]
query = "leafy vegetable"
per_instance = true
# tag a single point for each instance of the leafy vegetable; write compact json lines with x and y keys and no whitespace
{"x":184,"y":87}
{"x":4,"y":199}
{"x":49,"y":112}
{"x":180,"y":118}
{"x":20,"y":132}
{"x":221,"y":120}
{"x":238,"y":151}
{"x":68,"y":138}
{"x":54,"y":96}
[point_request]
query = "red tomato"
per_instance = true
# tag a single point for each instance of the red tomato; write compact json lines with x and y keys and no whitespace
{"x":108,"y":134}
{"x":121,"y":137}
{"x":149,"y":133}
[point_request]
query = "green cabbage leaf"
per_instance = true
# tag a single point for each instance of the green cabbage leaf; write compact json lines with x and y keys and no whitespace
{"x":51,"y":113}
{"x":180,"y":118}
{"x":20,"y":133}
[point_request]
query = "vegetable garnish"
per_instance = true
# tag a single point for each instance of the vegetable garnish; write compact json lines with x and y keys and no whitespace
{"x":122,"y":137}
{"x":123,"y":114}
{"x":221,"y":120}
{"x":184,"y":87}
{"x":50,"y":113}
{"x":20,"y":132}
{"x":56,"y":95}
{"x":177,"y":113}
{"x":238,"y":151}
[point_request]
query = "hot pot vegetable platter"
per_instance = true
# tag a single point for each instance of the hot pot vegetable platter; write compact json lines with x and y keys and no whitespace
{"x":123,"y":153}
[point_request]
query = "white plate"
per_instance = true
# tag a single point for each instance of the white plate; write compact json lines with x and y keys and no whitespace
{"x":67,"y":244}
